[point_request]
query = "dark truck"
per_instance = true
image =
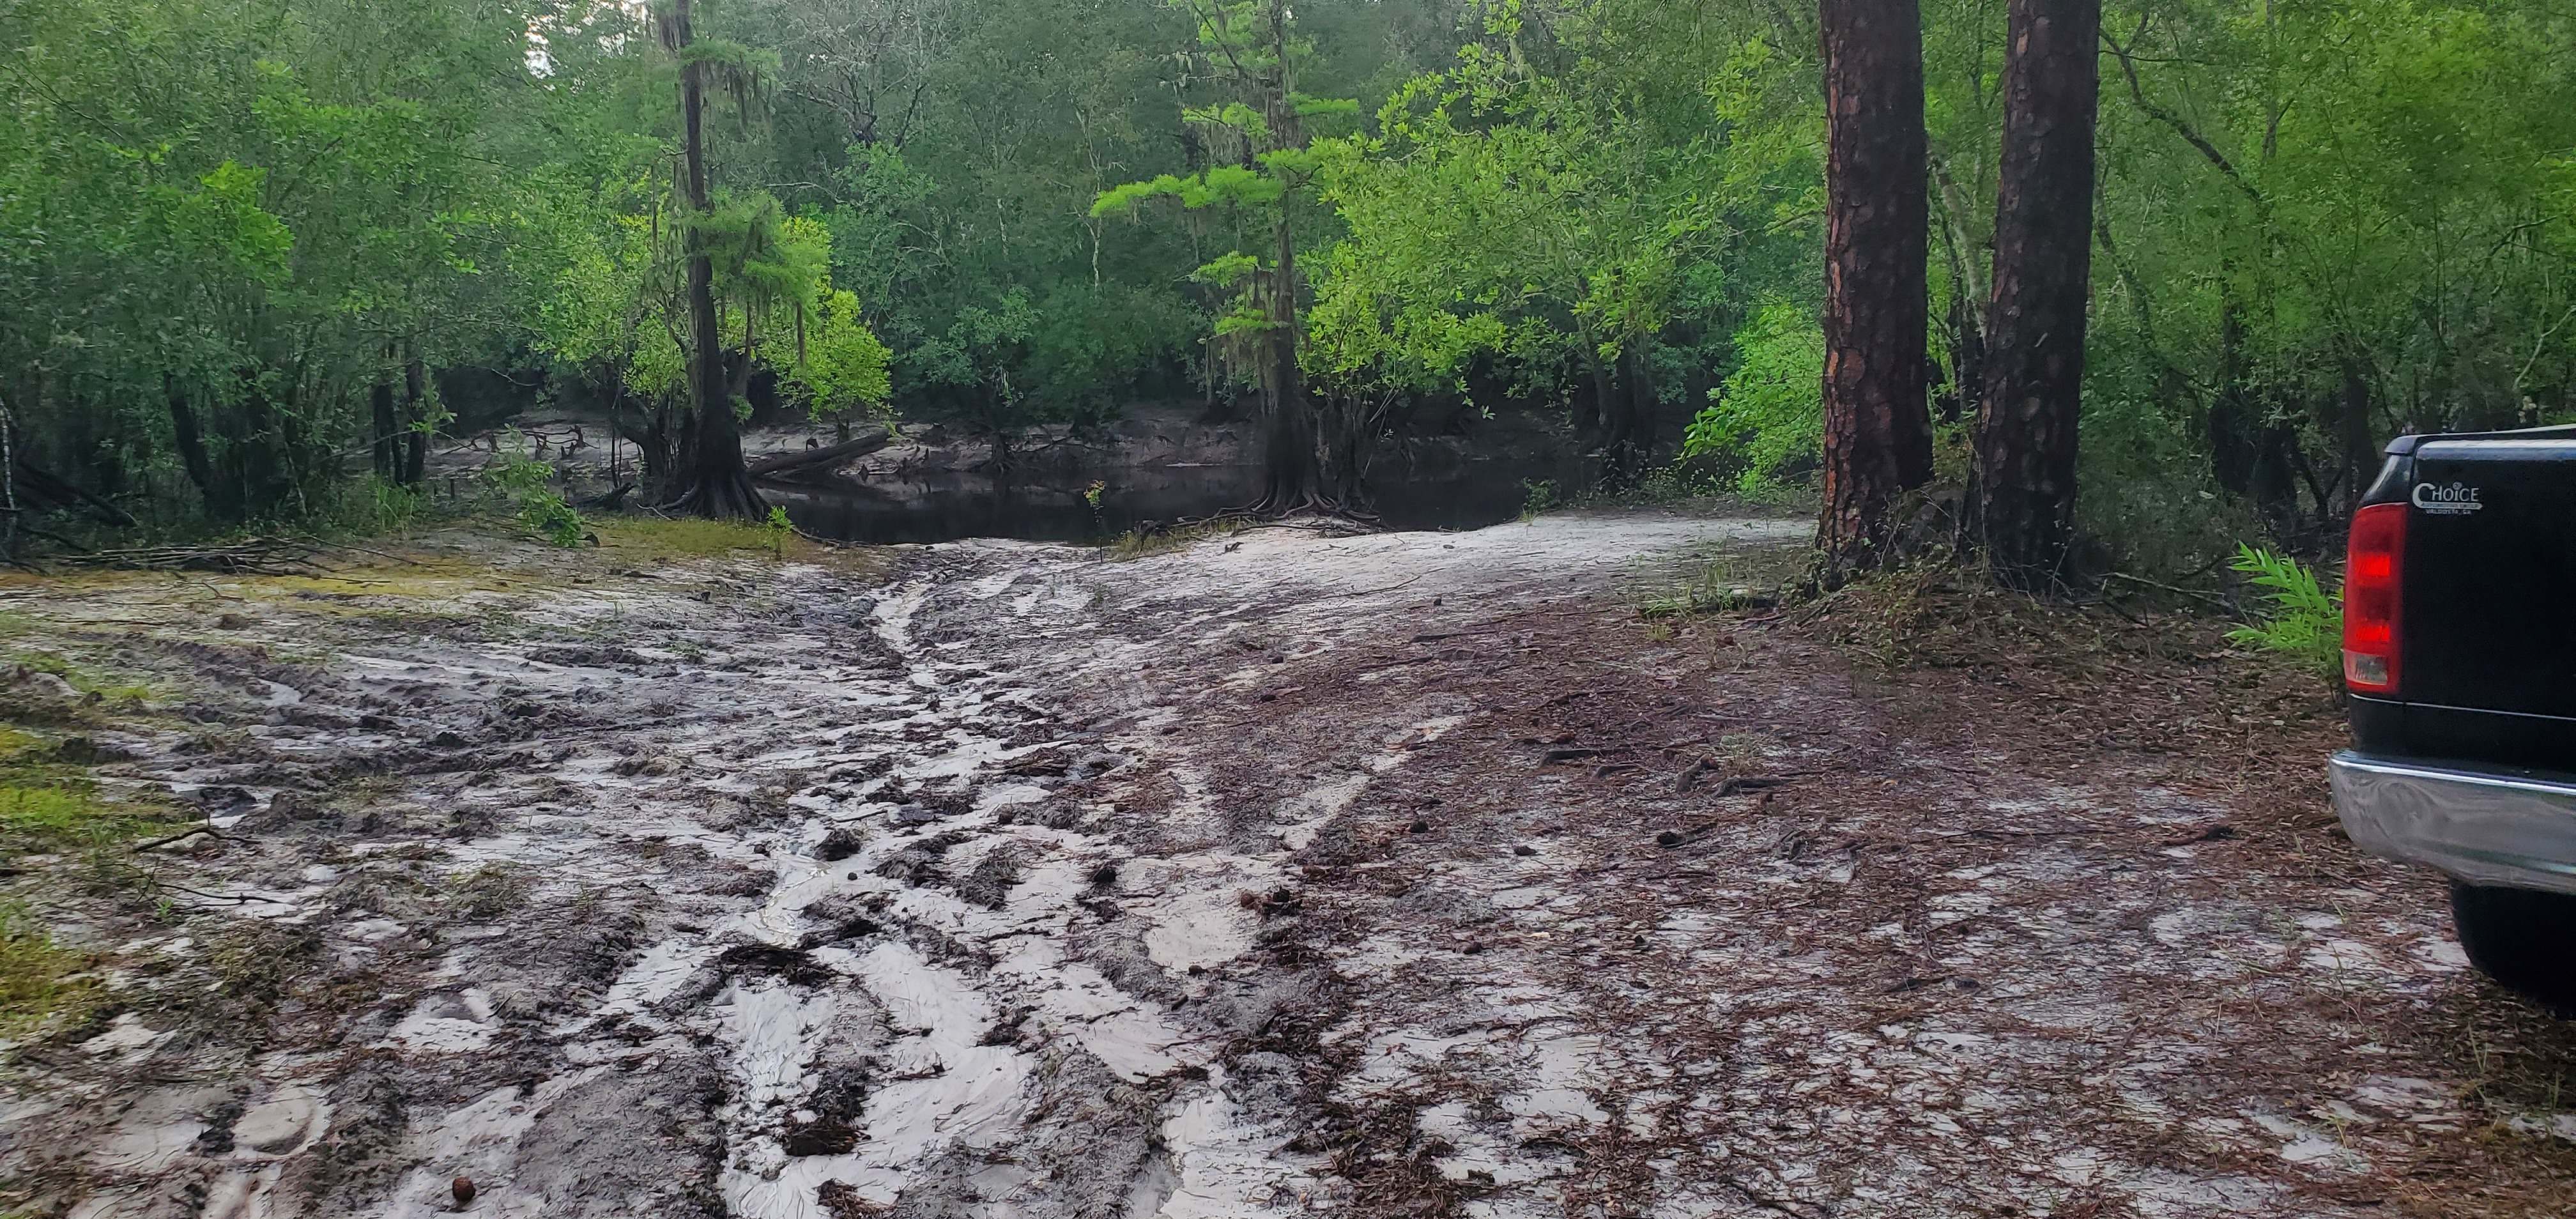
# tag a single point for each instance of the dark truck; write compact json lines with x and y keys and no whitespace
{"x":2460,"y":655}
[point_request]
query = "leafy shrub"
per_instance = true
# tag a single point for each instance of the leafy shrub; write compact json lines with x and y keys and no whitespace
{"x":370,"y":507}
{"x":2149,"y":495}
{"x":1540,"y":495}
{"x":551,"y":517}
{"x":777,"y":531}
{"x":2301,"y":618}
{"x":1769,"y":415}
{"x":528,"y":486}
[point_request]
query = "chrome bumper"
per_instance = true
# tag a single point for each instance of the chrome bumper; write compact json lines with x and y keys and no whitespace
{"x":2489,"y":827}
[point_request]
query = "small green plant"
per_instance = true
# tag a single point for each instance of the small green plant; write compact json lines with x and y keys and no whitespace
{"x":108,"y":687}
{"x":1540,"y":495}
{"x":1091,"y":494}
{"x":528,"y":485}
{"x":1137,"y":545}
{"x":1725,"y":582}
{"x":255,"y":962}
{"x":1703,"y":598}
{"x":2301,"y":618}
{"x":551,"y":517}
{"x":777,"y":531}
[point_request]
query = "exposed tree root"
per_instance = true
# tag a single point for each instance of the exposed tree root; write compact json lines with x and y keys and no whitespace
{"x":726,"y":497}
{"x":1276,"y":507}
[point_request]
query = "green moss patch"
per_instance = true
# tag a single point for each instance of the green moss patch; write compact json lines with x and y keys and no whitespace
{"x":39,"y":979}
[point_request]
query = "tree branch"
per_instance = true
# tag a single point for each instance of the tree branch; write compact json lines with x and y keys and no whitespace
{"x":2138,"y":94}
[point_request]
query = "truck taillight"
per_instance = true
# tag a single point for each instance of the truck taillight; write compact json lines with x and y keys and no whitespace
{"x":2373,"y":575}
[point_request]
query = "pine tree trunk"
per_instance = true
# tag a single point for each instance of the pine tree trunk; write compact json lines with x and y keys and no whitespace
{"x":720,"y":487}
{"x":1878,"y":430}
{"x":2023,"y":503}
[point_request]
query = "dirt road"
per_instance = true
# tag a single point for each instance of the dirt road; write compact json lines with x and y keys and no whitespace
{"x":1283,"y":873}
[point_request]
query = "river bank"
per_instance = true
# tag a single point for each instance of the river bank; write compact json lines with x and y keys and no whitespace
{"x":1156,"y":466}
{"x":1278,"y":872}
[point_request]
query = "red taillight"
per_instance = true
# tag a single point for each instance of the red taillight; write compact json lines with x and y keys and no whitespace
{"x":2374,"y":570}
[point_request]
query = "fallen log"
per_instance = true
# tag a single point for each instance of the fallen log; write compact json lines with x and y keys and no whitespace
{"x":780,"y":464}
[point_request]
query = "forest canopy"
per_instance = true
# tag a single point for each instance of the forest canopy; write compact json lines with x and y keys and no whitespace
{"x":255,"y":255}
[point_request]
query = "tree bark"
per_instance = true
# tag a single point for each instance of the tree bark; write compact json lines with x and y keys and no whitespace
{"x":415,"y":416}
{"x":388,"y":446}
{"x":192,"y":444}
{"x":720,"y":487}
{"x":2254,"y":446}
{"x":1296,"y":475}
{"x":2023,"y":502}
{"x":1592,"y":400}
{"x":1632,"y":428}
{"x":1878,"y":432}
{"x":2358,"y":439}
{"x":655,"y":448}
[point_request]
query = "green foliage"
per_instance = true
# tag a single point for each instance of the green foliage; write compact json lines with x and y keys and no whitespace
{"x":514,"y":476}
{"x":1570,"y":209}
{"x":1540,"y":496}
{"x":777,"y":531}
{"x":549,"y":516}
{"x":2301,"y":619}
{"x":527,"y":486}
{"x":841,"y":369}
{"x":52,"y":807}
{"x":306,"y":192}
{"x":370,"y":507}
{"x":1768,"y":418}
{"x":972,"y":363}
{"x":1261,"y":173}
{"x":2318,"y":225}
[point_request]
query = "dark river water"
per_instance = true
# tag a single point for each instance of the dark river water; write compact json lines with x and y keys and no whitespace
{"x":946,"y":507}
